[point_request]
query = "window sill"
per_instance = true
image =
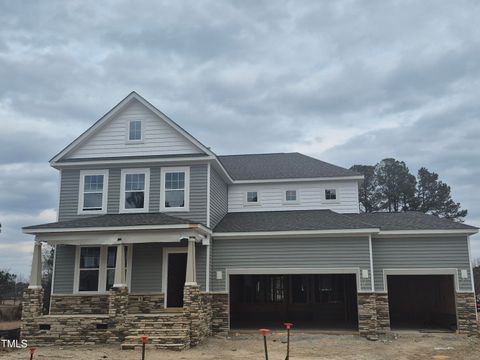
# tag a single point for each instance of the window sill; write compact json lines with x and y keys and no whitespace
{"x":134,"y":211}
{"x":183,"y":209}
{"x":252,"y":204}
{"x":94,"y":212}
{"x":133,"y":142}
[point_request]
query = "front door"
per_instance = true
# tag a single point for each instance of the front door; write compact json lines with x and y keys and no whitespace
{"x":177,"y":269}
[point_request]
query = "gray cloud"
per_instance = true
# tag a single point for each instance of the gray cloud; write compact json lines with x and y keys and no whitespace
{"x":347,"y":81}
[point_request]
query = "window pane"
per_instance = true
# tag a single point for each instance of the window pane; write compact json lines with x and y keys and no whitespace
{"x":174,"y":180}
{"x":89,"y":257}
{"x":134,"y":182}
{"x":175,"y":198}
{"x":111,"y":256}
{"x":291,"y":195}
{"x":93,"y":183}
{"x":88,"y":280}
{"x":92,"y":201}
{"x":252,"y":196}
{"x":135,"y":131}
{"x":110,"y":278}
{"x":134,"y":200}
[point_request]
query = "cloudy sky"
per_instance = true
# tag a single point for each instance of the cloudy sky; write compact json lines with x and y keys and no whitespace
{"x":346,"y":81}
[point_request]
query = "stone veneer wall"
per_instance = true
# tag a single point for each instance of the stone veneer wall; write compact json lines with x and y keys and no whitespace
{"x":220,"y":313}
{"x":146,"y":303}
{"x":78,"y":304}
{"x":383,"y":313}
{"x":367,"y":315}
{"x":466,"y":313}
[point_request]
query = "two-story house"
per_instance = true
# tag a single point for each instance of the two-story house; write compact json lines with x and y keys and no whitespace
{"x":159,"y":236}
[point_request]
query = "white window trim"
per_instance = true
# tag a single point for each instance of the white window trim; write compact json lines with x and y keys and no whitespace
{"x":250,"y":203}
{"x":84,"y":173}
{"x":290,"y":202}
{"x":146,"y":197}
{"x":127,"y":135}
{"x":331,"y":201}
{"x":163,"y":172}
{"x":102,"y":276}
{"x":166,"y":252}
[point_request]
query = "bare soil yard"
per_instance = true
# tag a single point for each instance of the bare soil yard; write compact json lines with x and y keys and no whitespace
{"x":304,"y":346}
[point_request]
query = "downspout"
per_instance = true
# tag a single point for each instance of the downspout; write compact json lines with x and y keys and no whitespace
{"x":371,"y":262}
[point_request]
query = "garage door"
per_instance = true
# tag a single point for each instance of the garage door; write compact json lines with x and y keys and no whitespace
{"x":326,"y":301}
{"x":422,"y":302}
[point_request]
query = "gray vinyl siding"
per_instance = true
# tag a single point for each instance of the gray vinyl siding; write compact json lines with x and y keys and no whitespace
{"x":64,"y":269}
{"x":113,"y":202}
{"x":218,"y":198}
{"x":290,"y":253}
{"x":69,"y":190}
{"x":147,"y":266}
{"x":69,"y":183}
{"x":421,"y":252}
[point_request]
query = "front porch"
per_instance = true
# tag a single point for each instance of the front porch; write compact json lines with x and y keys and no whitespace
{"x":177,"y":314}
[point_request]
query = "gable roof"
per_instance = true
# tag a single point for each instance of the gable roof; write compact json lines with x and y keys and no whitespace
{"x":115,"y":110}
{"x":410,"y":220}
{"x":281,"y":166}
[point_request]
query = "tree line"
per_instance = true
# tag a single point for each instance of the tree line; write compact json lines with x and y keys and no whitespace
{"x":390,"y":186}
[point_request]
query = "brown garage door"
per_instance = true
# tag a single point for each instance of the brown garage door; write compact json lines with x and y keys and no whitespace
{"x":422,"y":302}
{"x":327,"y":301}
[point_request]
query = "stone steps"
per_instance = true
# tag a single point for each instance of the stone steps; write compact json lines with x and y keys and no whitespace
{"x":176,"y":347}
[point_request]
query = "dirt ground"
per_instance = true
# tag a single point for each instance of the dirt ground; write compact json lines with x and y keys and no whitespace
{"x":400,"y":346}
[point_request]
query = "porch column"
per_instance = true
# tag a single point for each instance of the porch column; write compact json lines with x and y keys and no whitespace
{"x":36,"y":274}
{"x":120,"y":280}
{"x":191,"y":277}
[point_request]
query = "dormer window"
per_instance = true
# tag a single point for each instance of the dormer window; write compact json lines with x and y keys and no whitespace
{"x":290,"y":197}
{"x":92,"y":198}
{"x":330,"y":194}
{"x":135,"y":131}
{"x":252,"y":198}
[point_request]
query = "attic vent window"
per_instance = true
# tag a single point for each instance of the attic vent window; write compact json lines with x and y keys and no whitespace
{"x":135,"y":130}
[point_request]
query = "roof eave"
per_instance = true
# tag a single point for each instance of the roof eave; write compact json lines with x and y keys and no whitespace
{"x":290,"y":233}
{"x":426,"y":232}
{"x":35,"y":231}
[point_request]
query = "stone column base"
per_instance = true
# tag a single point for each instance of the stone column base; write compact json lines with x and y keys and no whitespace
{"x":197,"y":309}
{"x":367,"y":315}
{"x":466,"y":314}
{"x":117,"y":312}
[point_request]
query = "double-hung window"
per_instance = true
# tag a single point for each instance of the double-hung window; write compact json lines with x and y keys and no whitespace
{"x":95,"y":268}
{"x":135,"y":186}
{"x":135,"y":131}
{"x":92,"y":198}
{"x":89,"y":271}
{"x":175,"y":186}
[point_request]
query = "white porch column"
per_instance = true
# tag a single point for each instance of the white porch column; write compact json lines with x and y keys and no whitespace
{"x":36,"y":274}
{"x":191,"y":277}
{"x":120,"y":280}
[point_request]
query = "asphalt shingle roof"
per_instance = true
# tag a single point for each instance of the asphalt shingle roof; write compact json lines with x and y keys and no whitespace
{"x":111,"y":220}
{"x":280,"y":166}
{"x":411,"y":220}
{"x":288,"y":221}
